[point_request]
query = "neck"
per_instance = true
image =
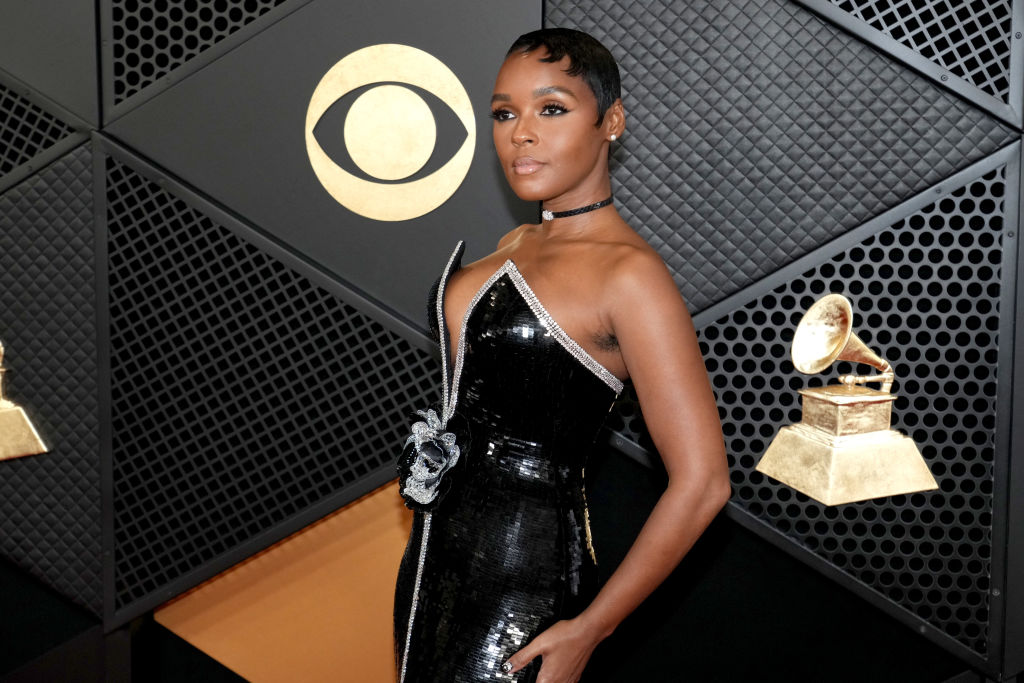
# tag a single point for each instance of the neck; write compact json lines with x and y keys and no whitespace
{"x":597,"y":185}
{"x":549,"y":215}
{"x":579,"y":226}
{"x":578,"y":198}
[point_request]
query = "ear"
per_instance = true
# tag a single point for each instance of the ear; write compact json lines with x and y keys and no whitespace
{"x":614,"y":120}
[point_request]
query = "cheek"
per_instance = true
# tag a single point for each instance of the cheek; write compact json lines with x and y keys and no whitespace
{"x":575,"y":142}
{"x":502,"y":145}
{"x":570,"y":153}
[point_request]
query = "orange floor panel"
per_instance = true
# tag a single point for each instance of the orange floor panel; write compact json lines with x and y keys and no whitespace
{"x":314,"y":607}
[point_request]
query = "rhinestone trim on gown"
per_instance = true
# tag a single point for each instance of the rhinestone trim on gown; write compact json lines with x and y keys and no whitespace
{"x":507,"y":553}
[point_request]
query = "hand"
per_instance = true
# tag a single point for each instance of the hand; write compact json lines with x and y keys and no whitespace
{"x":564,"y":649}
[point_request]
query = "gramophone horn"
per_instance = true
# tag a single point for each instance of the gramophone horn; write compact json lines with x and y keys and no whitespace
{"x":844,"y":448}
{"x":825,"y":335}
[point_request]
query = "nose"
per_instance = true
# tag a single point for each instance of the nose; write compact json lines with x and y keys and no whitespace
{"x":522,"y":135}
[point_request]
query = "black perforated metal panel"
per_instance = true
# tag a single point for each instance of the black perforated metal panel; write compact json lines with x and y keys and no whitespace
{"x":50,"y":503}
{"x":971,"y":38}
{"x":151,"y":39}
{"x":25,"y":130}
{"x":926,"y":294}
{"x":243,"y":393}
{"x":757,"y":131}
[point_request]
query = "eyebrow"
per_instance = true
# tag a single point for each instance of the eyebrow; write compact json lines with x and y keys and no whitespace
{"x":553,"y":90}
{"x":539,"y":92}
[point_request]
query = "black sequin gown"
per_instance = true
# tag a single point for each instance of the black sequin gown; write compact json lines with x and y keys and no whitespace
{"x":507,"y":552}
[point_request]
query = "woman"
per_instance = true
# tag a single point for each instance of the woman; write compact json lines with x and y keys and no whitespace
{"x":499,"y":579}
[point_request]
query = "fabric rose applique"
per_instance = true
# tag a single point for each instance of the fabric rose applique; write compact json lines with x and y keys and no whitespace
{"x":427,"y":460}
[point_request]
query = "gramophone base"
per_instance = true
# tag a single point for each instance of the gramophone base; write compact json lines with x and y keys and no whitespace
{"x":843,"y":469}
{"x":17,"y":435}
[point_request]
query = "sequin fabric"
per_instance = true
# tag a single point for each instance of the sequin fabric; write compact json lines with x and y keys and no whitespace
{"x":507,"y":553}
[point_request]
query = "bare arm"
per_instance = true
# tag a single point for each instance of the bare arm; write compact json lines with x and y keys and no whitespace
{"x":660,"y":350}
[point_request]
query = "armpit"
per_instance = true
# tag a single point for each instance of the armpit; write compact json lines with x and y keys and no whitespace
{"x":606,"y":342}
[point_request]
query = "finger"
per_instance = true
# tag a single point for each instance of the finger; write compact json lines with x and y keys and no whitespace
{"x":519,"y":659}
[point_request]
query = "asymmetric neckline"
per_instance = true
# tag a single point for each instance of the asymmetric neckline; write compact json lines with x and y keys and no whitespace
{"x":509,"y":268}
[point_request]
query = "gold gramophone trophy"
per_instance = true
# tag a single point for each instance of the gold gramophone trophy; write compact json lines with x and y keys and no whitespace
{"x":843,"y":450}
{"x":17,"y":435}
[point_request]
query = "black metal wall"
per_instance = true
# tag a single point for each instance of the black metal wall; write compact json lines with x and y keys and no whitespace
{"x":778,"y":151}
{"x":245,"y":392}
{"x":219,"y":353}
{"x":50,"y":506}
{"x":210,"y":353}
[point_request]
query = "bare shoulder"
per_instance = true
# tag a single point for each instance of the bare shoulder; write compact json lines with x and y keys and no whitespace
{"x":637,"y":270}
{"x":642,"y":299}
{"x":469,"y":277}
{"x":506,"y":245}
{"x":511,"y":237}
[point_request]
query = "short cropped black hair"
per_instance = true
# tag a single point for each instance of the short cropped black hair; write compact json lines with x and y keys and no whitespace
{"x":588,"y":59}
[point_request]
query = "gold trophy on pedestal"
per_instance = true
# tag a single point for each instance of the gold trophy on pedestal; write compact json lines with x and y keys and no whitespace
{"x":843,"y":450}
{"x":17,"y":435}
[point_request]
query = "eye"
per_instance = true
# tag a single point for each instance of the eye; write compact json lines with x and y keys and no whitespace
{"x":390,"y":113}
{"x":553,"y":109}
{"x":502,"y":115}
{"x":397,"y":111}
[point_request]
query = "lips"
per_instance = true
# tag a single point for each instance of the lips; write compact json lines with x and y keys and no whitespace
{"x":526,"y":165}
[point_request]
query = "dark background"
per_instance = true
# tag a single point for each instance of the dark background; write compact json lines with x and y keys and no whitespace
{"x":218,"y":353}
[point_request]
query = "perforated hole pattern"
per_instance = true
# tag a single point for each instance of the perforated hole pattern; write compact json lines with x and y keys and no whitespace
{"x":925,"y":293}
{"x":242,"y":392}
{"x":25,"y":130}
{"x":152,"y":38}
{"x":970,"y":38}
{"x":757,"y":131}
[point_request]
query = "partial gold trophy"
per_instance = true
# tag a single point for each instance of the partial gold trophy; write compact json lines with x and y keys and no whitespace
{"x":17,"y":435}
{"x":843,"y":450}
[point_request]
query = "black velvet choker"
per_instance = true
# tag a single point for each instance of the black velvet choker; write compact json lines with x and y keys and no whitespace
{"x":550,"y":215}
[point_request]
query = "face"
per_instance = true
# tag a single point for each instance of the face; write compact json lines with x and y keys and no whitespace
{"x":544,"y":133}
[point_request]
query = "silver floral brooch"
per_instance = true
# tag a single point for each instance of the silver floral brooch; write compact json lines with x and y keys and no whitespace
{"x":426,"y":463}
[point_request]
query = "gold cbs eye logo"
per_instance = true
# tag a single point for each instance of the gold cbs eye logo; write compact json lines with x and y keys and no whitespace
{"x":390,"y":132}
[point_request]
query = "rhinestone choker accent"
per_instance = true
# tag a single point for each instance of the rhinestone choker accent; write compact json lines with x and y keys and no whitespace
{"x":551,"y":215}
